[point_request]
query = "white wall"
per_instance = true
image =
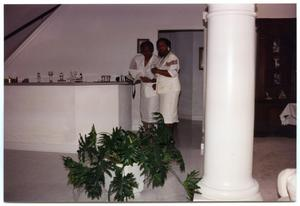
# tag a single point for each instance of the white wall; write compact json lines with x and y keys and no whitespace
{"x":276,"y":11}
{"x":183,"y":48}
{"x":198,"y":78}
{"x":96,"y":39}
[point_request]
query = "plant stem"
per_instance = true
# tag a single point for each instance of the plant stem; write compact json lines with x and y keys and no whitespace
{"x":174,"y":173}
{"x":108,"y":193}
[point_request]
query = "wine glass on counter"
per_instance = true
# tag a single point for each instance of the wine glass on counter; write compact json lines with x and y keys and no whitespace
{"x":61,"y":76}
{"x":73,"y":76}
{"x":50,"y":74}
{"x":38,"y":76}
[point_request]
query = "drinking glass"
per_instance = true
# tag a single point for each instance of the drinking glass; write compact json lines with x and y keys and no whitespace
{"x":61,"y":76}
{"x":50,"y":74}
{"x":38,"y":75}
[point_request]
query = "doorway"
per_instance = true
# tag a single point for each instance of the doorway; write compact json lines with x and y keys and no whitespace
{"x":188,"y":46}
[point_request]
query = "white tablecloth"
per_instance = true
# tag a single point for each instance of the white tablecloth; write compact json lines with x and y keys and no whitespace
{"x":288,"y":115}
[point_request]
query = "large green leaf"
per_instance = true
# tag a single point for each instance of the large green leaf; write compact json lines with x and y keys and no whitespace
{"x":123,"y":185}
{"x":191,"y":184}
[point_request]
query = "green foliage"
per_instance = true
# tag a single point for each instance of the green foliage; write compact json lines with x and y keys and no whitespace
{"x":123,"y":186}
{"x":87,"y":146}
{"x":121,"y":146}
{"x":159,"y":152}
{"x":191,"y":184}
{"x":153,"y":149}
{"x":90,"y":178}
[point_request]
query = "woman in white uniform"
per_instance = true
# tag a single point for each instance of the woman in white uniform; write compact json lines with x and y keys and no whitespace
{"x":168,"y":84}
{"x":140,"y":70}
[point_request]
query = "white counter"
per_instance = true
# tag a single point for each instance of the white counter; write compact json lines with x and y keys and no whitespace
{"x":50,"y":117}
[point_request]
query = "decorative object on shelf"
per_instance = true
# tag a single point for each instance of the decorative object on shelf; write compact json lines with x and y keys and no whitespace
{"x":276,"y":62}
{"x":268,"y":96}
{"x":139,"y":42}
{"x":11,"y":80}
{"x":282,"y":95}
{"x":38,"y":77}
{"x":50,"y":74}
{"x":100,"y":155}
{"x":26,"y":80}
{"x":73,"y":76}
{"x":276,"y":78}
{"x":61,"y":77}
{"x":276,"y":46}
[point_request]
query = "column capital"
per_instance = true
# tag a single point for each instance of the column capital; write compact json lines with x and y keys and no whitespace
{"x":231,"y":9}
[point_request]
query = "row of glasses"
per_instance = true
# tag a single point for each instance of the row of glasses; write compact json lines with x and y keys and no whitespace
{"x":73,"y":77}
{"x":105,"y":78}
{"x":50,"y":74}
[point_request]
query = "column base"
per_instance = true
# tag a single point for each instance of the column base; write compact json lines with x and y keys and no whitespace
{"x":215,"y":194}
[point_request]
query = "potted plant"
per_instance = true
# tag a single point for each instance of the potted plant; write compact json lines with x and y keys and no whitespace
{"x":110,"y":155}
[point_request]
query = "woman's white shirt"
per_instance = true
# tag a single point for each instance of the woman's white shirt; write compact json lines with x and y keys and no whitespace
{"x":138,"y":68}
{"x":149,"y":100}
{"x":167,"y":84}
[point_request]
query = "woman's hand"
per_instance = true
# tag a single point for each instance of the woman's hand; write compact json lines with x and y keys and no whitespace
{"x":154,"y":70}
{"x":154,"y":86}
{"x":146,"y":79}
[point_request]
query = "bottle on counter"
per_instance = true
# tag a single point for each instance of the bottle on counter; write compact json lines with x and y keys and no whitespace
{"x":61,"y":76}
{"x":38,"y":76}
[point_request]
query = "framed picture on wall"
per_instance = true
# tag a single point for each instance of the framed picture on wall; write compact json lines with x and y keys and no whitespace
{"x":139,"y":42}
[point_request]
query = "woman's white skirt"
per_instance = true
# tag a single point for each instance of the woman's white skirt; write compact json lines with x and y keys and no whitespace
{"x":168,"y":106}
{"x":149,"y":103}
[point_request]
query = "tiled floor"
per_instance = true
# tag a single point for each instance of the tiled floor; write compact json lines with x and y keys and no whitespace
{"x":41,"y":177}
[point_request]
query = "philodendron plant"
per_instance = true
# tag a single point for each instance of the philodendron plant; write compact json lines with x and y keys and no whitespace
{"x":103,"y":154}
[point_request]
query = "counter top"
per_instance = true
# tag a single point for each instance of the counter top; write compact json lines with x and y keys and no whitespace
{"x":68,"y":83}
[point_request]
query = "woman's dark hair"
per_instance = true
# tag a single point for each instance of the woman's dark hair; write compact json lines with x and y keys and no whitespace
{"x":166,"y":41}
{"x":146,"y":44}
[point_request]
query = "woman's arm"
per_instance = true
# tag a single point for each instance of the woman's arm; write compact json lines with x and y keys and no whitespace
{"x":147,"y":80}
{"x":161,"y":72}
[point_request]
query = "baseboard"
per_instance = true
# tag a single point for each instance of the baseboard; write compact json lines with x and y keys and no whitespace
{"x":198,"y":117}
{"x":191,"y":117}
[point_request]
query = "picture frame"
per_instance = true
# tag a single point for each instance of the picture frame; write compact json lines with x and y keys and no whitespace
{"x":139,"y":42}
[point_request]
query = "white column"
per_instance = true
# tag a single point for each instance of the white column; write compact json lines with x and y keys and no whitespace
{"x":229,"y":115}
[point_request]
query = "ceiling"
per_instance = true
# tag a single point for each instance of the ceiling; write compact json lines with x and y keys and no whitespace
{"x":16,"y":16}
